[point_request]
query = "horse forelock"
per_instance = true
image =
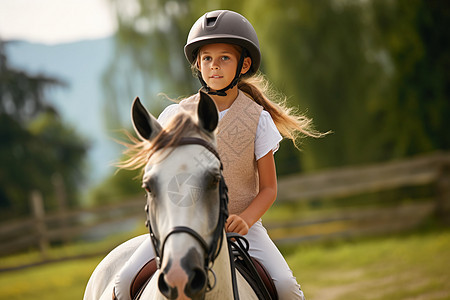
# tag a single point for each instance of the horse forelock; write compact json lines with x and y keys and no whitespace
{"x":140,"y":151}
{"x":181,"y":125}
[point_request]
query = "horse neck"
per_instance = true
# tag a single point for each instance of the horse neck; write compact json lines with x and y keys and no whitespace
{"x":223,"y":288}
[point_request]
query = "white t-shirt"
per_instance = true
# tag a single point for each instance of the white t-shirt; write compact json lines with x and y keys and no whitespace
{"x":267,"y":135}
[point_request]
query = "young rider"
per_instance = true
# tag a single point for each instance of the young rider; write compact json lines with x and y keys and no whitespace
{"x":223,"y":49}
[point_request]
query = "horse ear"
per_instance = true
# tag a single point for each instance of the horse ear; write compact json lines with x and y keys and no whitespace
{"x":145,"y":125}
{"x":208,"y":115}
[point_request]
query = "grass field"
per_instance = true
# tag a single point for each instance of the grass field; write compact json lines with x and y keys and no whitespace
{"x":408,"y":266}
{"x":413,"y":266}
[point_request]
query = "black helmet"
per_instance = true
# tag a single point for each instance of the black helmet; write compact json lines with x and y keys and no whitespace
{"x":223,"y":26}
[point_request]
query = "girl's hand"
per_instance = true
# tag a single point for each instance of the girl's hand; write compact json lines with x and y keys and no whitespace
{"x":236,"y":224}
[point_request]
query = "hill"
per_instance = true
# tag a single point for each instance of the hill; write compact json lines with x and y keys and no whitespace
{"x":81,"y":66}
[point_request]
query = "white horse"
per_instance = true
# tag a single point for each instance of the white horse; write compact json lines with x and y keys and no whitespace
{"x":186,"y":212}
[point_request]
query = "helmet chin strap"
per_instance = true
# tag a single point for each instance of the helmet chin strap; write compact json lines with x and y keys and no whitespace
{"x":235,"y":80}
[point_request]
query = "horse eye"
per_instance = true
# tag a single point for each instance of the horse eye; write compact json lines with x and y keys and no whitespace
{"x":215,"y":181}
{"x":146,"y":188}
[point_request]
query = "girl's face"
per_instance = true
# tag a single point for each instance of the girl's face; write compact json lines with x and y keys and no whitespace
{"x":218,"y":63}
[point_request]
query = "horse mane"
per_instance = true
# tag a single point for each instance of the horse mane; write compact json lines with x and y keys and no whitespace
{"x":139,"y":151}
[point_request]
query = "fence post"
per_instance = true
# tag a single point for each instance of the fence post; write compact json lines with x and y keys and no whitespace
{"x":37,"y":205}
{"x":61,"y":199}
{"x":443,"y":191}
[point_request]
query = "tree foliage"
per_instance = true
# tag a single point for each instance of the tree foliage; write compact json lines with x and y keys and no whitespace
{"x":36,"y":146}
{"x":121,"y":185}
{"x":415,"y":113}
{"x":148,"y":55}
{"x":374,"y":72}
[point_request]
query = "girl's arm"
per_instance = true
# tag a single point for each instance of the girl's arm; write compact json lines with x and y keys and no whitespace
{"x":262,"y":202}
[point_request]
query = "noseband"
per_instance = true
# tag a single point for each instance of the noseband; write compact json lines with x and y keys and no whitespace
{"x":212,"y":250}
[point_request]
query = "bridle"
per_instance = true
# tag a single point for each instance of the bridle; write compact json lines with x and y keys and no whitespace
{"x":235,"y":241}
{"x":212,"y":250}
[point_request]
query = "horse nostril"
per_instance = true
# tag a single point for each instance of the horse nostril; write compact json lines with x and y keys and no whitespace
{"x":165,"y":289}
{"x":197,"y":282}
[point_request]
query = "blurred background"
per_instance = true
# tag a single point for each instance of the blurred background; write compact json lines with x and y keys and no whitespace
{"x":362,"y":213}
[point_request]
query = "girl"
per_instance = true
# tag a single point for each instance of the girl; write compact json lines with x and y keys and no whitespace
{"x":223,"y":50}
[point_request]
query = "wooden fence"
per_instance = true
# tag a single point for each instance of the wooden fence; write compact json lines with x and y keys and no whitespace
{"x":428,"y":170}
{"x":42,"y":229}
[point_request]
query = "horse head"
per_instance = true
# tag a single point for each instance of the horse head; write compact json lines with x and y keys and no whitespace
{"x":182,"y":179}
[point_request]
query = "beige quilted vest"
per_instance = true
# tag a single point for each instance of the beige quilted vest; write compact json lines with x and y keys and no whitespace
{"x":236,"y":146}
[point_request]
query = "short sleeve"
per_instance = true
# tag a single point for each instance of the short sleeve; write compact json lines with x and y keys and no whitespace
{"x":167,"y":114}
{"x":267,"y":136}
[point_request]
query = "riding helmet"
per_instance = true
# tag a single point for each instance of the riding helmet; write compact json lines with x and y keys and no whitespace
{"x":223,"y":26}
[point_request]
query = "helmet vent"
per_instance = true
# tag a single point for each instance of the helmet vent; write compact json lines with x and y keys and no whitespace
{"x":211,"y":21}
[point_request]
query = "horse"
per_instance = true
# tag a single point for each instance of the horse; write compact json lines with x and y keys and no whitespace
{"x":186,"y":212}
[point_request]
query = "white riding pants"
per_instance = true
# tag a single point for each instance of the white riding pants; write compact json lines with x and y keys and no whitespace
{"x":261,"y":248}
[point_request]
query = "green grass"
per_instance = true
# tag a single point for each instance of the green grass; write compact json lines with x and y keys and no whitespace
{"x":413,"y":266}
{"x":72,"y":250}
{"x":65,"y":280}
{"x":407,"y":266}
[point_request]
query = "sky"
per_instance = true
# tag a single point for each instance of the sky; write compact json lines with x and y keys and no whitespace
{"x":55,"y":21}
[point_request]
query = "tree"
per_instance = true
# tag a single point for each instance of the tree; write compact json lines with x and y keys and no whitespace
{"x":415,"y":112}
{"x":36,"y":144}
{"x":375,"y":72}
{"x":148,"y":55}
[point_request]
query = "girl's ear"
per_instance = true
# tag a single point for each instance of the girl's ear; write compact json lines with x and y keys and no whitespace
{"x":198,"y":64}
{"x":208,"y":116}
{"x":145,"y":125}
{"x":246,"y":65}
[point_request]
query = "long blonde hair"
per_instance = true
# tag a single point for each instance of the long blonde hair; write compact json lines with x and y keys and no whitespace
{"x":289,"y":121}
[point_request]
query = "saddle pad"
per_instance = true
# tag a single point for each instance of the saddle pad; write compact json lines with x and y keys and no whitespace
{"x":150,"y":268}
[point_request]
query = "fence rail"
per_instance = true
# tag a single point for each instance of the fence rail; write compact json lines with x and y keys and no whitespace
{"x":350,"y":181}
{"x":42,"y":229}
{"x":356,"y":180}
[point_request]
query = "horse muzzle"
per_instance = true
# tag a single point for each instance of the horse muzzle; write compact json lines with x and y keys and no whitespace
{"x":184,"y":278}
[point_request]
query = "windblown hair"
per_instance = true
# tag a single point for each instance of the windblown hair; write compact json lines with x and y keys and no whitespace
{"x":139,"y":151}
{"x":290,"y":123}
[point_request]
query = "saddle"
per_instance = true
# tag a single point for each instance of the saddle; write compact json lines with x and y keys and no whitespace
{"x":146,"y":273}
{"x":263,"y":274}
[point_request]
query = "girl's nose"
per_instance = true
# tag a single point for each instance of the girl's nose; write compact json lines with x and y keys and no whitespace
{"x":215,"y":65}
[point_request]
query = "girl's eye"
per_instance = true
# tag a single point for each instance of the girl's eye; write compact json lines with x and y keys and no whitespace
{"x":225,"y":57}
{"x":206,"y":58}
